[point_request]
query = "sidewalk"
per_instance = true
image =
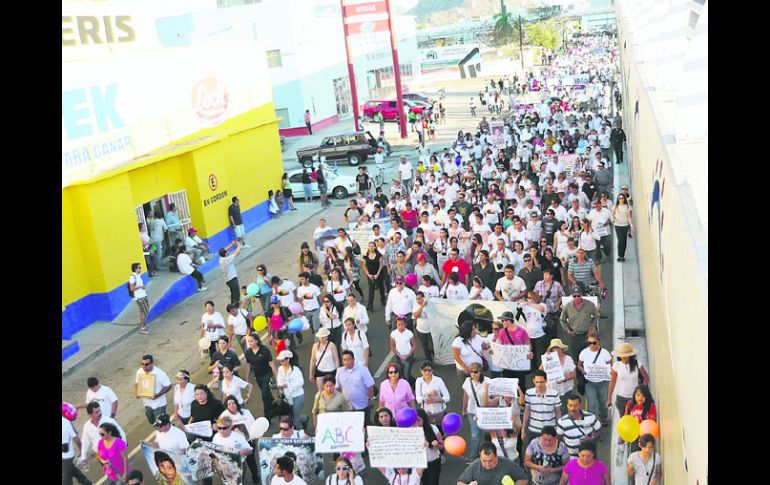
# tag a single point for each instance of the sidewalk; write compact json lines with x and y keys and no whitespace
{"x":167,"y":289}
{"x":629,"y":311}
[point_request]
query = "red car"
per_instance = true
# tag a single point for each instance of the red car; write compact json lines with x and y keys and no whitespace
{"x":389,"y":108}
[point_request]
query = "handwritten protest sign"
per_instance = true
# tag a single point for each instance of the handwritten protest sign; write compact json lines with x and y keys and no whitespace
{"x":201,"y":428}
{"x":496,"y":127}
{"x":396,"y":447}
{"x":552,"y":366}
{"x":511,"y":357}
{"x":338,"y":432}
{"x":597,"y":372}
{"x":494,"y":418}
{"x":504,"y":386}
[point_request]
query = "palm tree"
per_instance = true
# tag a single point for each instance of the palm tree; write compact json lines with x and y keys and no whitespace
{"x":505,"y":27}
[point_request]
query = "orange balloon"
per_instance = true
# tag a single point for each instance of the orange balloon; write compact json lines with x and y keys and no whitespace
{"x":454,"y":445}
{"x":648,"y":426}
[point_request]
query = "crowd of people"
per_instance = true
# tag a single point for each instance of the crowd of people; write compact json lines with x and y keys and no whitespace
{"x":488,"y":218}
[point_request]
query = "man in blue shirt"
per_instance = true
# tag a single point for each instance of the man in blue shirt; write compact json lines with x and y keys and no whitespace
{"x":174,"y":225}
{"x":356,"y":383}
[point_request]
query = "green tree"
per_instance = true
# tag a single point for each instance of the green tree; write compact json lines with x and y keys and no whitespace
{"x":506,"y":28}
{"x":543,"y":34}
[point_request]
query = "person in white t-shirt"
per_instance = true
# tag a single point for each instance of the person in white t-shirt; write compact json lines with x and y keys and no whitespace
{"x":136,"y":286}
{"x":597,"y":383}
{"x":185,"y":264}
{"x":406,"y":174}
{"x":309,"y":295}
{"x":105,"y":396}
{"x":322,"y":227}
{"x":510,"y":287}
{"x":212,"y":326}
{"x":237,"y":324}
{"x":479,"y":291}
{"x":284,"y":473}
{"x":285,"y":290}
{"x":403,"y":345}
{"x":68,"y":468}
{"x":168,"y":437}
{"x":229,"y":437}
{"x":491,"y":211}
{"x":156,"y":405}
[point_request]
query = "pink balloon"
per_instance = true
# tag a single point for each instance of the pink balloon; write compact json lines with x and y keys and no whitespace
{"x":411,"y":279}
{"x":69,"y":411}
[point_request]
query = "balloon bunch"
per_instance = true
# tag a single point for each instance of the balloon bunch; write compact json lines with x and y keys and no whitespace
{"x":451,"y":424}
{"x":630,"y":429}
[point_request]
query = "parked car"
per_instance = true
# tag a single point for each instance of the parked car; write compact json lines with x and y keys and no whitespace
{"x":354,"y":147}
{"x":389,"y":109}
{"x":418,"y":97}
{"x":340,"y":186}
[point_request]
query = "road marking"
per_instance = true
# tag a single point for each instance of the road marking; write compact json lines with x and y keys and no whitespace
{"x":384,"y":364}
{"x":151,"y":435}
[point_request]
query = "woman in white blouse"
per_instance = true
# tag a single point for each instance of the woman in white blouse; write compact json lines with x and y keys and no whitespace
{"x":330,"y":319}
{"x":563,"y":386}
{"x":431,"y":393}
{"x":429,"y":288}
{"x":479,"y":291}
{"x":588,"y":240}
{"x":290,"y":381}
{"x":232,"y":385}
{"x":535,"y":312}
{"x":337,"y":287}
{"x":355,"y":341}
{"x":184,"y":395}
{"x":625,"y":374}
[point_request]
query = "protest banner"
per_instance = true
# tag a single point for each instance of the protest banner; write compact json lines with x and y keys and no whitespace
{"x":552,"y":366}
{"x":511,"y":357}
{"x":494,"y":418}
{"x":167,"y":467}
{"x":444,"y":315}
{"x":207,"y":460}
{"x":396,"y":447}
{"x":201,"y":428}
{"x":308,"y":465}
{"x":504,"y":386}
{"x":338,"y":432}
{"x":598,"y":371}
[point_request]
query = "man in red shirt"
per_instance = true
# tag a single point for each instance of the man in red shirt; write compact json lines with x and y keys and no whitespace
{"x":455,"y":264}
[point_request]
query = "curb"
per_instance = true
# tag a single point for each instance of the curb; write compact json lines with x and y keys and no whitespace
{"x":104,"y":348}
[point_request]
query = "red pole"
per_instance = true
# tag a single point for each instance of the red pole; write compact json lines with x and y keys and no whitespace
{"x":351,"y":72}
{"x":396,"y":71}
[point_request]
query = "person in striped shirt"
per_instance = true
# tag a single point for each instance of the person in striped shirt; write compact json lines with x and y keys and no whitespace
{"x":542,"y":407}
{"x":577,"y":426}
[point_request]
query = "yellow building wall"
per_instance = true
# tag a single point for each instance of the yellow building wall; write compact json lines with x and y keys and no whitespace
{"x":675,"y":304}
{"x":99,"y":232}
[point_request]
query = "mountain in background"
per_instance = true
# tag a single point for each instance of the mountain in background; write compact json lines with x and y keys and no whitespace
{"x":431,"y":13}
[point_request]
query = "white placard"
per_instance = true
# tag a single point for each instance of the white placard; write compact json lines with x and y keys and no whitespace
{"x":597,"y":371}
{"x":511,"y":357}
{"x":504,"y":386}
{"x":338,"y":432}
{"x":494,"y":418}
{"x":201,"y":428}
{"x":552,"y":366}
{"x":396,"y":447}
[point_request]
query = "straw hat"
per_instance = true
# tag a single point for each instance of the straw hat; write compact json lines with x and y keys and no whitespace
{"x":557,"y":343}
{"x":624,"y":350}
{"x":324,"y":332}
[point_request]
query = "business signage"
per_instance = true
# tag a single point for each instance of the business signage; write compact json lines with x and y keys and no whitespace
{"x":443,"y":56}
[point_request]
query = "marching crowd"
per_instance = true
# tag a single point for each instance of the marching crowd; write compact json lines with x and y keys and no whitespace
{"x":496,"y":216}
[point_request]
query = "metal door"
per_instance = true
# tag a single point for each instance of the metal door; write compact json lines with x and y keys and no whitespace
{"x":182,"y":209}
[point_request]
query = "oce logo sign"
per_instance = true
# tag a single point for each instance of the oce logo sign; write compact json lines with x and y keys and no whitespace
{"x":210,"y":100}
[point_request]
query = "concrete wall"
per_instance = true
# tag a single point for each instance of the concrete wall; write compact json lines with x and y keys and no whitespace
{"x":674,"y":280}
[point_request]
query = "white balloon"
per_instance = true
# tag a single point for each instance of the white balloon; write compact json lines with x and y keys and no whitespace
{"x":204,"y":343}
{"x":258,"y":428}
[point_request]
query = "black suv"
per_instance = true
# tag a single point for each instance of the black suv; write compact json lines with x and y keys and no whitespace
{"x":354,"y":147}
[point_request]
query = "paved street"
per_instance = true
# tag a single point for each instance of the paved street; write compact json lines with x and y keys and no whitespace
{"x":173,"y":337}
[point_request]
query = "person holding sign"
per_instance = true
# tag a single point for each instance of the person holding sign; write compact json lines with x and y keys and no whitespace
{"x":434,"y":443}
{"x":566,"y":384}
{"x":475,"y":389}
{"x":152,"y":384}
{"x":512,"y":334}
{"x":488,"y":469}
{"x":506,"y":440}
{"x":594,"y":362}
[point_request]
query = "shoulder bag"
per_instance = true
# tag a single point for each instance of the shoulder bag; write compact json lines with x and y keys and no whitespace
{"x":581,"y":379}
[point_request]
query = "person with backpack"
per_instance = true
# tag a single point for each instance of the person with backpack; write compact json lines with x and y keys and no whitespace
{"x":137,"y":292}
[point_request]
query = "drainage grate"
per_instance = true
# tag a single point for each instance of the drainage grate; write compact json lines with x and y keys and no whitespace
{"x":634,"y":333}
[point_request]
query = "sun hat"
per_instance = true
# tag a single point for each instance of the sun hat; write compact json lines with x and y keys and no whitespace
{"x":624,"y":350}
{"x":324,"y":332}
{"x":557,"y":343}
{"x":285,"y":354}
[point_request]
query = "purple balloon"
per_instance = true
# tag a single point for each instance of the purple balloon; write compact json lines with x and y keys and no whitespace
{"x":295,"y":307}
{"x":406,"y":417}
{"x":451,"y":423}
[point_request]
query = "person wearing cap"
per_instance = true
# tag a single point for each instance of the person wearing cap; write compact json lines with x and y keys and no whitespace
{"x":168,"y":437}
{"x":324,"y":358}
{"x":194,"y":244}
{"x":566,"y":385}
{"x":578,"y":318}
{"x":401,"y":301}
{"x":423,"y":267}
{"x":626,"y":373}
{"x":290,"y":381}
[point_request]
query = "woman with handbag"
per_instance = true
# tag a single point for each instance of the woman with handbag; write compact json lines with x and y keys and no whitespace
{"x":329,"y":317}
{"x":644,"y":466}
{"x":467,"y":349}
{"x":626,"y":373}
{"x":324,"y":359}
{"x":475,"y":389}
{"x":431,"y":393}
{"x":551,"y":293}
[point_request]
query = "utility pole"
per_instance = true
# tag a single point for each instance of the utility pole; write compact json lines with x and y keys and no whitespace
{"x":397,"y":72}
